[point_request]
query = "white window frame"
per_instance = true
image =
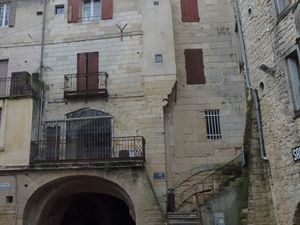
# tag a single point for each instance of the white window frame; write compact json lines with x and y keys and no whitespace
{"x":92,"y":17}
{"x":2,"y":20}
{"x":293,"y":67}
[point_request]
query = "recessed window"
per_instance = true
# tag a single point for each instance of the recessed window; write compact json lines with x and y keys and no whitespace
{"x":9,"y":199}
{"x":158,"y":58}
{"x":91,"y":10}
{"x":213,"y":127}
{"x":294,"y":71}
{"x":280,"y":5}
{"x":59,"y":9}
{"x":4,"y":14}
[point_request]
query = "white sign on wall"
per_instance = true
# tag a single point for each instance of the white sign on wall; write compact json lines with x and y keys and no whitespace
{"x":296,"y":153}
{"x":219,"y":218}
{"x":5,"y":185}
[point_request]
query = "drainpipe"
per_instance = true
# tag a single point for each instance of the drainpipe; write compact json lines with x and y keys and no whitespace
{"x":253,"y":91}
{"x":41,"y":69}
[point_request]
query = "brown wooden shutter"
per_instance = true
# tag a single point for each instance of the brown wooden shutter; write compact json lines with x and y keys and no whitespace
{"x":194,"y":66}
{"x":107,"y":9}
{"x":92,"y":70}
{"x":73,"y":11}
{"x":12,"y":17}
{"x":189,"y":10}
{"x":81,"y":71}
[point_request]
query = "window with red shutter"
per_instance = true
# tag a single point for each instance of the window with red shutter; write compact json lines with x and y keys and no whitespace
{"x":189,"y":11}
{"x":107,"y":9}
{"x":87,"y":71}
{"x":73,"y":11}
{"x":194,"y":66}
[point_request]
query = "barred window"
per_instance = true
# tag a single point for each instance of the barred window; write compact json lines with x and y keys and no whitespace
{"x":213,"y":127}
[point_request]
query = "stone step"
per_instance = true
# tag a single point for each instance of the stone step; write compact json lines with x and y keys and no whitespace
{"x":183,"y":219}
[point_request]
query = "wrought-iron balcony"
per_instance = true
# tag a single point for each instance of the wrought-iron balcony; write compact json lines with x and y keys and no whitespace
{"x":88,"y":85}
{"x":88,"y":149}
{"x":19,"y":84}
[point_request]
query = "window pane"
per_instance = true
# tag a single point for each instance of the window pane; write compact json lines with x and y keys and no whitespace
{"x":294,"y":72}
{"x":281,"y":5}
{"x":59,"y":9}
{"x":96,"y":9}
{"x":1,"y":15}
{"x":7,"y":15}
{"x":86,"y":9}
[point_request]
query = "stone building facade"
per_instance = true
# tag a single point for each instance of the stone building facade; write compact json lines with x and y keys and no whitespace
{"x":121,"y":111}
{"x":271,"y":32}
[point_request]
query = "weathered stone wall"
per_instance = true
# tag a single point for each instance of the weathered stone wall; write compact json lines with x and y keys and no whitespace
{"x":186,"y":126}
{"x":268,"y":41}
{"x":36,"y":186}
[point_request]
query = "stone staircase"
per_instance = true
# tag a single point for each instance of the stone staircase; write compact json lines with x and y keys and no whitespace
{"x":199,"y":188}
{"x":178,"y":218}
{"x":204,"y":185}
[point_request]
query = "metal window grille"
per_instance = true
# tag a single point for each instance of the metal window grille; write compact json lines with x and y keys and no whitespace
{"x":213,"y":127}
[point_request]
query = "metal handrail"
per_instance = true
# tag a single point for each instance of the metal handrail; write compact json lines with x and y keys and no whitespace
{"x":116,"y":148}
{"x":85,"y":82}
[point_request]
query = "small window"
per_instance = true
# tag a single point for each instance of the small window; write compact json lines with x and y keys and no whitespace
{"x":213,"y":127}
{"x":4,"y":14}
{"x":280,"y":5}
{"x":294,"y":71}
{"x":91,"y":10}
{"x":59,"y":9}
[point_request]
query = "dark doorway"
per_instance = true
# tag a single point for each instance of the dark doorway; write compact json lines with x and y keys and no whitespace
{"x":97,"y":209}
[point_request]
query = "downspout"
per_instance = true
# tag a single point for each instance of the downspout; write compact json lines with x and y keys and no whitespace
{"x":41,"y":70}
{"x":253,"y":91}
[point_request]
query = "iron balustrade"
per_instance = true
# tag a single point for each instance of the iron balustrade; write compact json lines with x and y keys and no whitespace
{"x":13,"y":87}
{"x":119,"y":148}
{"x":87,"y":84}
{"x":85,"y":138}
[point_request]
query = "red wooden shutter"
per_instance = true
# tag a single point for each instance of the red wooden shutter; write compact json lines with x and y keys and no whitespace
{"x":92,"y":70}
{"x":107,"y":9}
{"x":189,"y":10}
{"x":194,"y":66}
{"x":81,"y":71}
{"x":73,"y":11}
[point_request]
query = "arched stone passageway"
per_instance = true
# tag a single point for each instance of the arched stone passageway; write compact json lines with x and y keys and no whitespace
{"x":79,"y":200}
{"x":296,"y":220}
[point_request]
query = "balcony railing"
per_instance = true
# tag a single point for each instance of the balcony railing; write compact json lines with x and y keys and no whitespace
{"x":15,"y":86}
{"x":88,"y":149}
{"x":92,"y":84}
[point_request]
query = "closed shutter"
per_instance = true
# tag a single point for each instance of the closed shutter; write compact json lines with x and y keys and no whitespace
{"x":81,"y":71}
{"x":107,"y":9}
{"x":73,"y":11}
{"x":194,"y":66}
{"x":92,"y":70}
{"x":189,"y":10}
